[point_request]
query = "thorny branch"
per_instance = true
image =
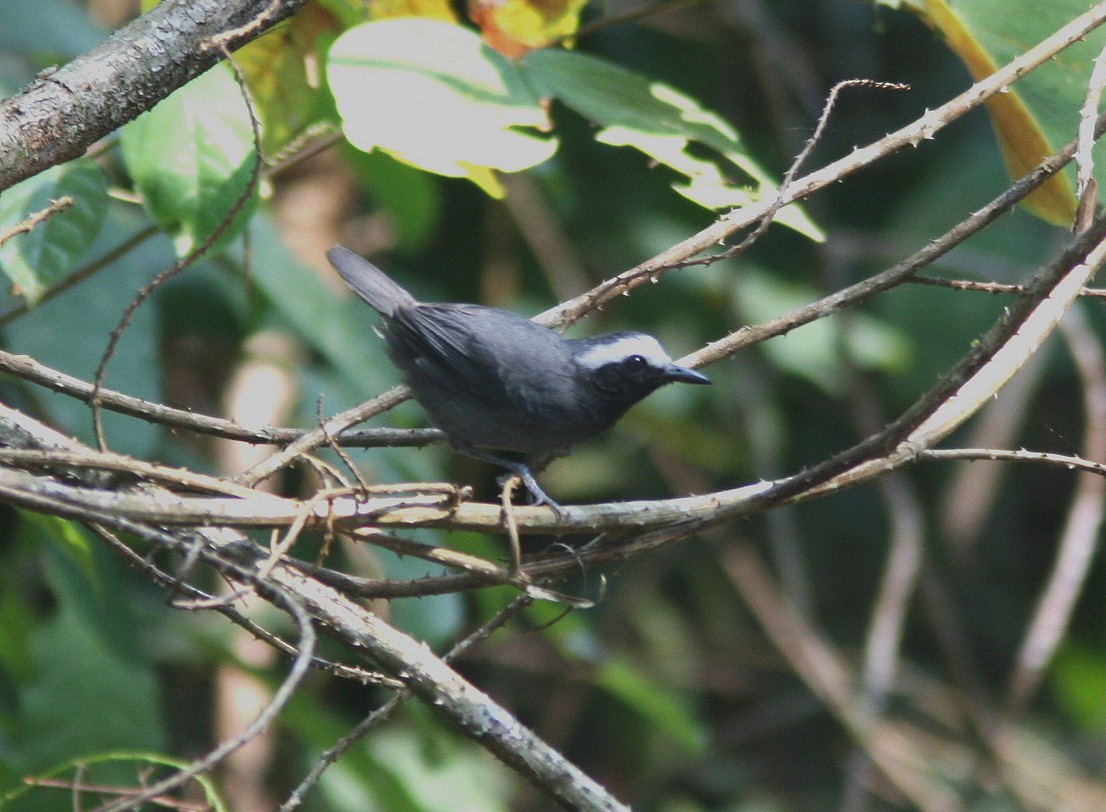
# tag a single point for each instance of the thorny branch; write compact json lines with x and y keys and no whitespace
{"x":161,"y":508}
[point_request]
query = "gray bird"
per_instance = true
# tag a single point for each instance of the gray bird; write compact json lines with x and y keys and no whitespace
{"x":493,"y":380}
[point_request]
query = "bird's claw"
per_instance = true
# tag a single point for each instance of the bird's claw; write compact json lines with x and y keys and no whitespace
{"x":537,"y":495}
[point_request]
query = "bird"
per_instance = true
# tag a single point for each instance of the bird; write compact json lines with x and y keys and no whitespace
{"x":495,"y":381}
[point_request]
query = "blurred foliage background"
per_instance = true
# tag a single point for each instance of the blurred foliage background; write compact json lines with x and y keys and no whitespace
{"x":670,"y":692}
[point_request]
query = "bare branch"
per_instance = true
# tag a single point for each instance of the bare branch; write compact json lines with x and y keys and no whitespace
{"x":34,"y":219}
{"x":923,"y":129}
{"x":184,"y":262}
{"x":64,"y":111}
{"x":29,"y":369}
{"x":384,"y":711}
{"x":1079,"y":540}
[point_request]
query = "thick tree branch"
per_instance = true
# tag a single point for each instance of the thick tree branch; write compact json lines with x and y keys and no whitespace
{"x":63,"y":112}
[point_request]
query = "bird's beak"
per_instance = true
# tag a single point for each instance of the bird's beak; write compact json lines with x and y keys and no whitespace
{"x":679,"y":374}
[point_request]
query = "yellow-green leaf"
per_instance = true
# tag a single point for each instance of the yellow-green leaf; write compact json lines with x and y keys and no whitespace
{"x":1041,"y":111}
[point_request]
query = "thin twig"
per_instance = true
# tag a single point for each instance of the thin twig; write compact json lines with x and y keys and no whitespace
{"x":27,"y":368}
{"x":33,"y":220}
{"x":902,"y":271}
{"x":164,"y":579}
{"x":827,"y":675}
{"x":1087,"y":186}
{"x":992,"y":287}
{"x":147,"y":290}
{"x":917,"y":132}
{"x":60,"y":461}
{"x":81,"y":273}
{"x":766,"y":218}
{"x":1066,"y":462}
{"x":509,"y":484}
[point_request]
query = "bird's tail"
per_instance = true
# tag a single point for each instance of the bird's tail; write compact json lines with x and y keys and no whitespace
{"x":368,"y":281}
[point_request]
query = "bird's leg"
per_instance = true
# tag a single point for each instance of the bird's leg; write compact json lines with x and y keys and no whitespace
{"x":519,"y":469}
{"x":539,"y":464}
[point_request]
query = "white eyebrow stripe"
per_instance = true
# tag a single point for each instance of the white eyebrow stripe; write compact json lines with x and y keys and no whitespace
{"x":622,"y":348}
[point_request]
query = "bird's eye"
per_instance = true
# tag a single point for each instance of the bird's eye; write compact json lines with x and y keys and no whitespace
{"x":636,"y":363}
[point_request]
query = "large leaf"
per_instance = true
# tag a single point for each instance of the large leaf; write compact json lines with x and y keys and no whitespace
{"x":660,"y":121}
{"x":1041,"y":113}
{"x":35,"y":259}
{"x":430,"y":94}
{"x":84,"y":658}
{"x":191,"y":158}
{"x":69,"y":333}
{"x":281,"y":71}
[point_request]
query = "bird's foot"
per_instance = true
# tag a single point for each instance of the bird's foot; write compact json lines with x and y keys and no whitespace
{"x":537,"y":495}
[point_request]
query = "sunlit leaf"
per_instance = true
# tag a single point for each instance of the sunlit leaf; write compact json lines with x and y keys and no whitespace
{"x":427,"y":9}
{"x":661,"y":122}
{"x":432,"y":95}
{"x":191,"y":158}
{"x":35,"y":259}
{"x":513,"y":27}
{"x":348,"y":12}
{"x":284,"y":72}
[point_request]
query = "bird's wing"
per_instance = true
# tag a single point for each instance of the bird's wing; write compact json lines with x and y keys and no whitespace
{"x":443,"y":345}
{"x":484,"y":353}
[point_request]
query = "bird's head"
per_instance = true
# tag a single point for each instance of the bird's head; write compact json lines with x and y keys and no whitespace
{"x":625,"y":367}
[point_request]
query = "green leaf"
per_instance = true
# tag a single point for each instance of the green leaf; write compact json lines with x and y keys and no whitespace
{"x":813,"y":351}
{"x":191,"y":158}
{"x":431,"y":94}
{"x":655,"y":702}
{"x":1041,"y":111}
{"x":84,"y":657}
{"x":661,"y":122}
{"x":36,"y":259}
{"x":1078,"y":683}
{"x":280,"y":69}
{"x":409,"y":198}
{"x":460,"y":777}
{"x":69,"y":539}
{"x":401,"y":768}
{"x":90,"y":311}
{"x":339,"y":329}
{"x":16,"y":626}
